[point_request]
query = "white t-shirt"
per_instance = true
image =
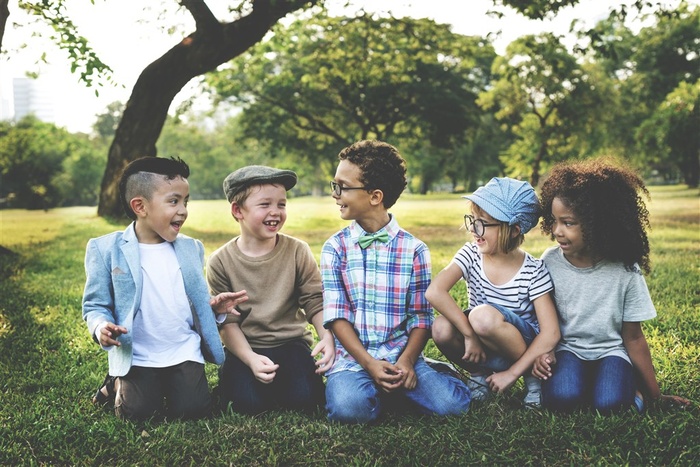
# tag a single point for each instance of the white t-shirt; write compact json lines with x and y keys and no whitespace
{"x":163,"y":329}
{"x":593,"y":302}
{"x":517,"y":295}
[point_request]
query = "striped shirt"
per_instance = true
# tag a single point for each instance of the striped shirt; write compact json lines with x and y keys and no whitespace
{"x":380,"y":290}
{"x":517,"y":295}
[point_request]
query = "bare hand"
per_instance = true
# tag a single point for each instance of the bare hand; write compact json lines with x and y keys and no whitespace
{"x":263,"y":368}
{"x":109,"y":333}
{"x":410,"y":379}
{"x":675,"y":400}
{"x":226,"y":302}
{"x":326,"y":349}
{"x":542,"y":368}
{"x":385,"y":375}
{"x":473,"y":350}
{"x":501,"y":381}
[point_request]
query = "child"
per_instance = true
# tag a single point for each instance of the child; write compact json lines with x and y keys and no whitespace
{"x":593,"y":210}
{"x":146,"y":301}
{"x":374,"y":280}
{"x":269,"y":362}
{"x":512,"y":318}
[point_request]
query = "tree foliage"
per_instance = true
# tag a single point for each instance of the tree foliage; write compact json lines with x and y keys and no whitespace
{"x":544,"y":95}
{"x":43,"y":166}
{"x":320,"y":84}
{"x":672,"y":133}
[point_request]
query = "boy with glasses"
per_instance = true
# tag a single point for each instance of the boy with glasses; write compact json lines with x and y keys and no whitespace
{"x":374,"y":279}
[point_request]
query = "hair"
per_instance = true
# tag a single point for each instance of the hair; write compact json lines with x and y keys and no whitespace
{"x":605,"y":196}
{"x":140,"y":175}
{"x":507,"y":241}
{"x":381,"y":165}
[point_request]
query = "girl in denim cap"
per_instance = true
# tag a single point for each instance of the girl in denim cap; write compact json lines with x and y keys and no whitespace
{"x":511,"y":317}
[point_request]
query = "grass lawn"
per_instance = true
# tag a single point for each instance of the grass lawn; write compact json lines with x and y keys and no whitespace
{"x":49,"y":366}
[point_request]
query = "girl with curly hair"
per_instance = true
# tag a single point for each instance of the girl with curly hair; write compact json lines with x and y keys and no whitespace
{"x":595,"y":212}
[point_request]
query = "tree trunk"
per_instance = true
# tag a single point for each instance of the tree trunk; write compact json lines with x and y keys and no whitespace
{"x":212,"y":44}
{"x":4,"y":14}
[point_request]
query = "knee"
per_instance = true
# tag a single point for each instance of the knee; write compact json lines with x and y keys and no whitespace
{"x":352,"y":406}
{"x":610,"y":405}
{"x":484,"y":319}
{"x":190,"y":409}
{"x":134,"y":410}
{"x":442,"y":331}
{"x":561,"y":398}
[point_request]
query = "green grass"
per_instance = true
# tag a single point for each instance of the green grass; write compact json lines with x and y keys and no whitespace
{"x":49,"y":367}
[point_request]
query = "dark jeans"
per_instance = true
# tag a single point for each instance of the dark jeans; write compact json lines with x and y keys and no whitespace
{"x":296,"y":385}
{"x":606,"y":385}
{"x":179,"y":391}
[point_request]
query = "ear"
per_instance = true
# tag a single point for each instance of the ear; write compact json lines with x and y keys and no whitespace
{"x":516,"y":231}
{"x":376,"y":197}
{"x":138,"y":206}
{"x":236,"y":211}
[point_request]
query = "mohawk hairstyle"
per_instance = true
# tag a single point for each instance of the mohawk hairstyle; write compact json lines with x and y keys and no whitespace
{"x":150,"y":166}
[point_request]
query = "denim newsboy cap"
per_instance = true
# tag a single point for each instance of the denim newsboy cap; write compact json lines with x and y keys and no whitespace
{"x":244,"y":177}
{"x":509,"y":200}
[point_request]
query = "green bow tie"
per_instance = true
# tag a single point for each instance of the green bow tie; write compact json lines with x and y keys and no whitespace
{"x":367,"y":239}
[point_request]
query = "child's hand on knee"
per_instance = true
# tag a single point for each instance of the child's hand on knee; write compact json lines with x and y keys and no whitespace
{"x":264,"y":369}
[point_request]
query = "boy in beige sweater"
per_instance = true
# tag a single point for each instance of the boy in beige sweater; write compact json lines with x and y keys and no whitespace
{"x":269,"y":362}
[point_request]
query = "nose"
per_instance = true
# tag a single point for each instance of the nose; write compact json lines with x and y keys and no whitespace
{"x":556,"y":229}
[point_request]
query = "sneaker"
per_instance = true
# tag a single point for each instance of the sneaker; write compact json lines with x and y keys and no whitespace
{"x":479,"y":387}
{"x":105,"y":394}
{"x":533,"y":398}
{"x":444,"y":367}
{"x":639,"y":402}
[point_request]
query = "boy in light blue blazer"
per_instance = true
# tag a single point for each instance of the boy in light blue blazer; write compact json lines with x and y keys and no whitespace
{"x":146,"y":301}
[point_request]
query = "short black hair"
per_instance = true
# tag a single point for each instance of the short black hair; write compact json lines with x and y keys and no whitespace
{"x":382,"y":167}
{"x":169,"y":168}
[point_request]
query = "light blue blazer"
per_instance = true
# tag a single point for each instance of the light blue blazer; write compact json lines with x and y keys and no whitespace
{"x":113,"y":292}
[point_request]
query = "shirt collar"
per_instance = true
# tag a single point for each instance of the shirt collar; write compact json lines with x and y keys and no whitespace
{"x":392,"y":228}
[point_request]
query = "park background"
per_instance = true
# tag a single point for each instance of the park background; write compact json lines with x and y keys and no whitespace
{"x":461,"y":111}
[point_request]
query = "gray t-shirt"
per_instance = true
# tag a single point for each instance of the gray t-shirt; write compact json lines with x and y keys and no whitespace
{"x":593,"y":302}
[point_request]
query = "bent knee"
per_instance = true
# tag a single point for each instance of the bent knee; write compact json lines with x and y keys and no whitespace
{"x":485,"y":319}
{"x":353,"y":409}
{"x":442,"y":330}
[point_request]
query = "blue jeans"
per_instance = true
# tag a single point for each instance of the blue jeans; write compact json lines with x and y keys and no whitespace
{"x":494,"y":361}
{"x":296,"y":385}
{"x":607,"y":385}
{"x":352,"y":396}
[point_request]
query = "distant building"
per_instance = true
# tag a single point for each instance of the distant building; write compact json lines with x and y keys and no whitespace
{"x":33,"y":96}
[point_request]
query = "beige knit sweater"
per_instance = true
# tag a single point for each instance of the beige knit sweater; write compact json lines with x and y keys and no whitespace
{"x":284,"y":290}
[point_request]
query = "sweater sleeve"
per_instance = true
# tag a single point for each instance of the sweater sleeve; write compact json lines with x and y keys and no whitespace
{"x":308,"y":282}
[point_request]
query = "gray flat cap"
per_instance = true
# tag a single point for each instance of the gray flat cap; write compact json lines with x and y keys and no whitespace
{"x":257,"y":175}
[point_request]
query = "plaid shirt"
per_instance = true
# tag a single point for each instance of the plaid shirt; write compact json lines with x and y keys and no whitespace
{"x":379,"y":290}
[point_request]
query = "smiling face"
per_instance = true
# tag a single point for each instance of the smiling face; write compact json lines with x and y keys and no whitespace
{"x":353,"y":203}
{"x":488,"y":242}
{"x":263,"y":213}
{"x":566,"y":229}
{"x":160,"y":217}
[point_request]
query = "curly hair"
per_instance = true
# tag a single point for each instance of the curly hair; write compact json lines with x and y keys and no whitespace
{"x":382,"y":168}
{"x":605,"y":196}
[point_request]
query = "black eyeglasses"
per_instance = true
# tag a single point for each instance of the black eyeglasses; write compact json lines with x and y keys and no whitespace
{"x":478,"y":226}
{"x":338,"y":189}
